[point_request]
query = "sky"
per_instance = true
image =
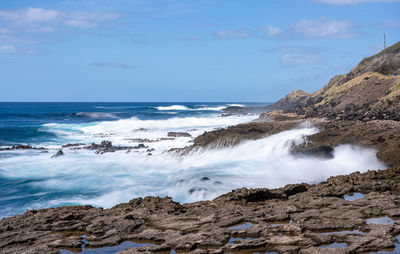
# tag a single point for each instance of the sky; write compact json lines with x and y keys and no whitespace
{"x":184,"y":50}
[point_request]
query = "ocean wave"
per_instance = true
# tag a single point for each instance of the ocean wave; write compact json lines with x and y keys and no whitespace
{"x":211,"y":108}
{"x":236,"y":105}
{"x":198,"y":108}
{"x":121,"y":130}
{"x":204,"y":174}
{"x":173,"y":107}
{"x":95,"y":115}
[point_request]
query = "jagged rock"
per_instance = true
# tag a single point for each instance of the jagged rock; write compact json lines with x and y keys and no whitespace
{"x":58,"y":154}
{"x":72,"y":145}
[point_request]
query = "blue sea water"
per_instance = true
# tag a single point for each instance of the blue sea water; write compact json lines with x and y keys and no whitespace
{"x":32,"y":179}
{"x":21,"y":122}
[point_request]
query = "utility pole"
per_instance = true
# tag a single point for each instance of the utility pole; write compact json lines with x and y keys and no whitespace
{"x":384,"y":40}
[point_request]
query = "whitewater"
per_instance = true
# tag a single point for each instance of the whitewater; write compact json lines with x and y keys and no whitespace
{"x":31,"y":179}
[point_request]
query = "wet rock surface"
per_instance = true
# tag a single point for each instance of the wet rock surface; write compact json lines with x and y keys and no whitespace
{"x":21,"y":147}
{"x":58,"y":154}
{"x":178,"y":134}
{"x":296,"y":218}
{"x":107,"y":147}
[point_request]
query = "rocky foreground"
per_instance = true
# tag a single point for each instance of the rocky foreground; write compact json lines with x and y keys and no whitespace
{"x":297,"y":218}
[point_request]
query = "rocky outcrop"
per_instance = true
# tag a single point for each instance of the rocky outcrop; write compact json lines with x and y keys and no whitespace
{"x":369,"y":91}
{"x":107,"y":147}
{"x":237,"y":110}
{"x":234,"y":135}
{"x":384,"y":136}
{"x":21,"y":147}
{"x":298,"y":218}
{"x":58,"y":154}
{"x":178,"y":134}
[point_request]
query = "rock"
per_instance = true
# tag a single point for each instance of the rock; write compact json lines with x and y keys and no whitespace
{"x":72,"y":145}
{"x":21,"y":147}
{"x":140,"y":146}
{"x":304,"y":149}
{"x":178,"y":134}
{"x":107,"y":147}
{"x":58,"y":154}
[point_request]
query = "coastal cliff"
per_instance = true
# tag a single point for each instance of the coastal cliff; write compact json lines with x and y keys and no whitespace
{"x":371,"y":90}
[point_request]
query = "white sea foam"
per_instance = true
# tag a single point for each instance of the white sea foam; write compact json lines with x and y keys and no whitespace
{"x":120,"y":132}
{"x":211,"y":108}
{"x":199,"y":108}
{"x":236,"y":105}
{"x":173,"y":107}
{"x":118,"y":177}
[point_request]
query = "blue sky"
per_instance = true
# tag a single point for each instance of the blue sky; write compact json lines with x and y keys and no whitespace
{"x":188,"y":50}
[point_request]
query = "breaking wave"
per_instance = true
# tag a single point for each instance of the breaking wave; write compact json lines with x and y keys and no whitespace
{"x":82,"y":177}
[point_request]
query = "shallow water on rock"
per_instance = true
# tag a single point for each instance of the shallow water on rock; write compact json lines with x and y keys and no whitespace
{"x":243,"y":226}
{"x":233,"y":239}
{"x":395,"y":250}
{"x":334,"y":245}
{"x":355,"y":196}
{"x":106,"y":250}
{"x":381,"y":220}
{"x":345,"y":232}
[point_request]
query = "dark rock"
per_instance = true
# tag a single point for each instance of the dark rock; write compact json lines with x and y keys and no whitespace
{"x":58,"y":154}
{"x":304,"y":149}
{"x":140,"y":146}
{"x":72,"y":145}
{"x":178,"y":134}
{"x":21,"y":147}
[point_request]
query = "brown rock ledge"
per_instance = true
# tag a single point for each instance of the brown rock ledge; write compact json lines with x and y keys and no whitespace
{"x":294,"y":218}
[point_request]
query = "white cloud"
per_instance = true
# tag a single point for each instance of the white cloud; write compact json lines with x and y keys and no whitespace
{"x":388,"y":24}
{"x":8,"y":49}
{"x":11,"y":49}
{"x":298,"y":58}
{"x":87,"y":19}
{"x":233,"y":34}
{"x":30,"y":15}
{"x":353,"y":2}
{"x":114,"y":65}
{"x":294,"y":55}
{"x":316,"y":28}
{"x":272,"y":31}
{"x":37,"y":16}
{"x":324,"y":28}
{"x":32,"y":25}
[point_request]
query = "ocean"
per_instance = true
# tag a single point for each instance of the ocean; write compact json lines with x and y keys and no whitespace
{"x":31,"y":179}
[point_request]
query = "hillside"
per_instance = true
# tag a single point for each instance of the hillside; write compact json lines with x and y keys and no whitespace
{"x":369,"y":91}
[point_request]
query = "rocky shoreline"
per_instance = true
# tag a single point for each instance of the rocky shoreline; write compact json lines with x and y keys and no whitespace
{"x":296,"y":218}
{"x":355,"y":213}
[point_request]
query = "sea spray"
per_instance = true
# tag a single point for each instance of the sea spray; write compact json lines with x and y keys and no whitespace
{"x":82,"y":177}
